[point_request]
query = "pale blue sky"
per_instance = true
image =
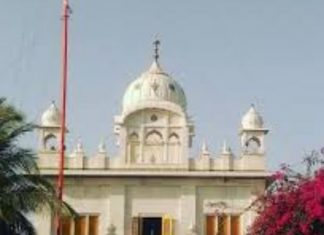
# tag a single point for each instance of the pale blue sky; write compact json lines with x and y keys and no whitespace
{"x":226,"y":54}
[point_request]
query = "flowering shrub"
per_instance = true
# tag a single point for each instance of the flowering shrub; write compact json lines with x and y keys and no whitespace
{"x":293,"y":204}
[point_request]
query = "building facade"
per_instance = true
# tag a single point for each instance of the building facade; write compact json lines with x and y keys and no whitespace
{"x":152,"y":186}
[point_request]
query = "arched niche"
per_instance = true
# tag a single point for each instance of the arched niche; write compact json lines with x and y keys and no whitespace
{"x":133,"y":147}
{"x":51,"y":142}
{"x":174,"y":138}
{"x":133,"y":137}
{"x":252,"y":145}
{"x":173,"y":148}
{"x":153,"y":147}
{"x":154,"y":138}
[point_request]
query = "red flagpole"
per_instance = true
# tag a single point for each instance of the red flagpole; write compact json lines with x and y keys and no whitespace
{"x":60,"y":179}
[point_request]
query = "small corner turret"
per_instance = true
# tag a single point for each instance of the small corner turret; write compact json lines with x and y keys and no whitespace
{"x":252,"y":135}
{"x":49,"y":135}
{"x":49,"y":129}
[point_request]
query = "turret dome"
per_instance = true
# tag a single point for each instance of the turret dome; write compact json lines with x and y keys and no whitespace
{"x":153,"y":86}
{"x":252,"y":120}
{"x":51,"y":117}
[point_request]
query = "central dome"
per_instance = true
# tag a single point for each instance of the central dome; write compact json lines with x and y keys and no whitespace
{"x":154,"y":85}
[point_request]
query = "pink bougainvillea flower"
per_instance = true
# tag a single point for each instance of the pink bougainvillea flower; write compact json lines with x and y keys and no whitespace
{"x":292,"y":207}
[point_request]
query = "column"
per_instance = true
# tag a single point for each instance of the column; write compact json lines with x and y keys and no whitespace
{"x":117,"y":208}
{"x":142,"y":142}
{"x":188,"y":207}
{"x":166,"y":158}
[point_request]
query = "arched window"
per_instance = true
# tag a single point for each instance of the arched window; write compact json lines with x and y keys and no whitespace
{"x":153,"y":148}
{"x":133,"y":137}
{"x":174,"y":139}
{"x":252,"y":146}
{"x":154,"y":137}
{"x":133,"y":147}
{"x":50,"y":142}
{"x":173,"y":148}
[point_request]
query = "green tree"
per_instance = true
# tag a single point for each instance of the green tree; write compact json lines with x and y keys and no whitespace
{"x":22,"y":189}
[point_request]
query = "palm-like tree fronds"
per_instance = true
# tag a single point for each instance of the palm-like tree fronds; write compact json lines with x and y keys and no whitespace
{"x":22,"y":188}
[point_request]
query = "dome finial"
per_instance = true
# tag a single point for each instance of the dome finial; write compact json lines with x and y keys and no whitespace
{"x":102,"y":146}
{"x":226,"y":149}
{"x":79,"y":146}
{"x":204,"y":148}
{"x":156,"y":44}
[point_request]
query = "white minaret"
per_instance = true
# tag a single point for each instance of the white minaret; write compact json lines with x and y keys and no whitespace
{"x":49,"y":129}
{"x":253,"y":141}
{"x":49,"y":134}
{"x":253,"y":133}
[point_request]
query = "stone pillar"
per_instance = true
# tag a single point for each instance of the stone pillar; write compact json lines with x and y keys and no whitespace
{"x":142,"y":143}
{"x":188,"y":206}
{"x":165,"y":158}
{"x":117,"y":208}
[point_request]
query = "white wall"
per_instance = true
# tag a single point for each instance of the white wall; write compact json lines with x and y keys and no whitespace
{"x":117,"y":200}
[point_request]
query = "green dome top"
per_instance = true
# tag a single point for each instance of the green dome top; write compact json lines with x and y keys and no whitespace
{"x":154,"y":86}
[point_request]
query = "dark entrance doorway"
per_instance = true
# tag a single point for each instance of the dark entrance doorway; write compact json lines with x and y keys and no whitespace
{"x":152,"y":226}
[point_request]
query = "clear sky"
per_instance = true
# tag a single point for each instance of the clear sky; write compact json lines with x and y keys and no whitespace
{"x":226,"y":54}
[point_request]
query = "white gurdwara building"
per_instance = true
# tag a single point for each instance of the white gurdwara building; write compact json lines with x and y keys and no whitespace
{"x":152,"y":186}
